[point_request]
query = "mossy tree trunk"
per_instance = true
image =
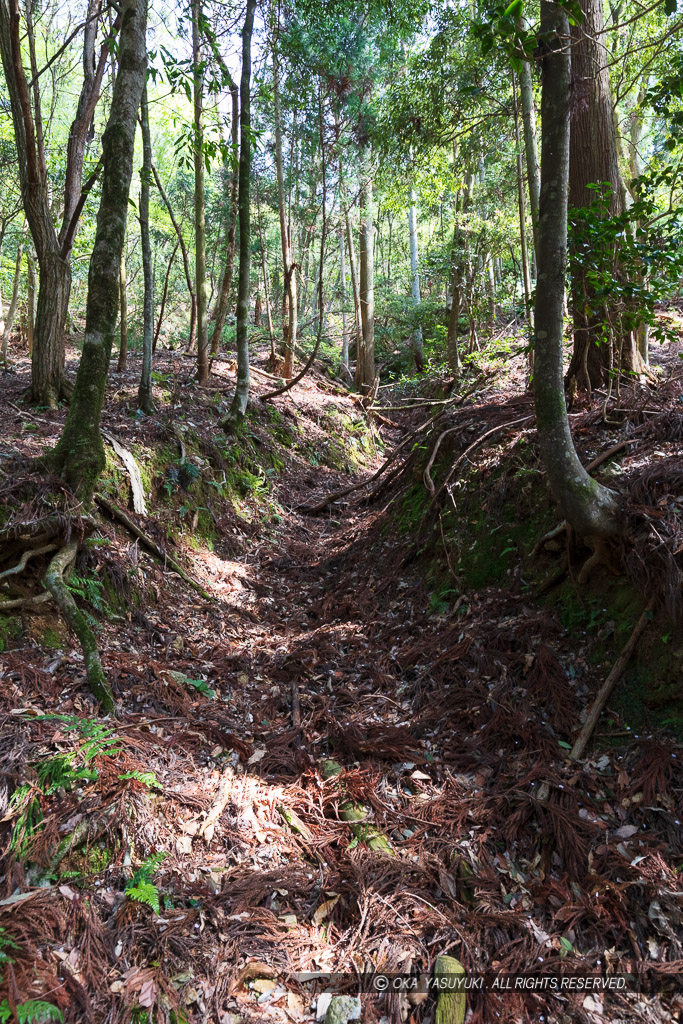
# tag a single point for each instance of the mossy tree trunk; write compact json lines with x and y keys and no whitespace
{"x":241,"y":396}
{"x":145,"y":402}
{"x":587,"y":506}
{"x":79,"y":455}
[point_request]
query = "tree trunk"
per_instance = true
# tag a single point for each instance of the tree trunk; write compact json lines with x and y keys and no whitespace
{"x":593,"y":160}
{"x":199,"y":200}
{"x":123,"y":304}
{"x":587,"y":506}
{"x":241,"y":396}
{"x":417,"y":346}
{"x":533,"y":171}
{"x":79,"y":455}
{"x":221,"y":310}
{"x":164,"y":296}
{"x":365,"y":358}
{"x":14,"y":301}
{"x":453,"y":351}
{"x":289,"y":288}
{"x":184,"y":254}
{"x":53,"y":250}
{"x":522,"y":227}
{"x":342,"y":295}
{"x":145,"y":402}
{"x":30,"y":302}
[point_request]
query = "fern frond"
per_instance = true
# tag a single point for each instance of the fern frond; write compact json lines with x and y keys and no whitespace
{"x":34,"y":1011}
{"x":148,"y":779}
{"x":145,"y":892}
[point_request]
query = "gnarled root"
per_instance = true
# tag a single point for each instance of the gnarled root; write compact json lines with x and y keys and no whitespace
{"x":54,"y":581}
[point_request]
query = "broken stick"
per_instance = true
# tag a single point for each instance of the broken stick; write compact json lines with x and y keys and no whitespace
{"x":609,"y":684}
{"x":163,"y":557}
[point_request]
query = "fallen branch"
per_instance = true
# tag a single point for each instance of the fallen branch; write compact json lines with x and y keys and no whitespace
{"x":609,"y":684}
{"x":133,"y":470}
{"x":163,"y":557}
{"x":54,"y":581}
{"x":476,"y":444}
{"x":320,"y":505}
{"x":219,"y":804}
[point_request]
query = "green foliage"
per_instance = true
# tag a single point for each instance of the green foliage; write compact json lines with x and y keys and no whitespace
{"x":146,"y":893}
{"x":141,"y":888}
{"x":60,"y":772}
{"x":631,"y":261}
{"x":29,"y":818}
{"x":148,"y":779}
{"x":33,"y":1011}
{"x":90,"y":589}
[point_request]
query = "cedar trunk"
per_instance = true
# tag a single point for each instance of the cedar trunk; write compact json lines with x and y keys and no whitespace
{"x":593,"y":160}
{"x":587,"y":506}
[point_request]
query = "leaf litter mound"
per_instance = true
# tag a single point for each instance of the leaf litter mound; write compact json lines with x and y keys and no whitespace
{"x":187,"y":860}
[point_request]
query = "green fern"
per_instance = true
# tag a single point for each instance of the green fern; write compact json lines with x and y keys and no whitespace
{"x":145,"y":892}
{"x":6,"y":942}
{"x":59,"y":772}
{"x":141,"y":889}
{"x":148,"y":779}
{"x":34,"y":1011}
{"x":29,"y":820}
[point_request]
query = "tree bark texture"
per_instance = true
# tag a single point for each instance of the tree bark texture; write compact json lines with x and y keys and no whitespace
{"x":241,"y":396}
{"x":222,"y":303}
{"x":199,"y":198}
{"x":593,"y":160}
{"x":365,"y":357}
{"x":79,"y":455}
{"x":587,"y":506}
{"x":145,"y":389}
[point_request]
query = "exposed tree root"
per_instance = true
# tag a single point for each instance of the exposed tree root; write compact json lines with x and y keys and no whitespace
{"x":473,"y":447}
{"x":29,"y":553}
{"x":54,"y":581}
{"x":609,"y":684}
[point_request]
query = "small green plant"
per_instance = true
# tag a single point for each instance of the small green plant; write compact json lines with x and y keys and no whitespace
{"x":148,"y":779}
{"x":141,"y":888}
{"x":33,"y":1011}
{"x":60,"y":772}
{"x":29,"y":820}
{"x":90,"y":589}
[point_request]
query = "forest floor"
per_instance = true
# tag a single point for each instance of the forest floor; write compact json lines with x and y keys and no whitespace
{"x":352,"y":757}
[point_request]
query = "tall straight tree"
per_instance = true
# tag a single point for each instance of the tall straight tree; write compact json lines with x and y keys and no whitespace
{"x":79,"y":455}
{"x":199,"y":197}
{"x":241,"y":396}
{"x":53,"y":245}
{"x":418,"y":353}
{"x":593,"y":161}
{"x":145,"y":402}
{"x":365,"y":357}
{"x":290,"y":301}
{"x":587,"y":506}
{"x":221,"y":308}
